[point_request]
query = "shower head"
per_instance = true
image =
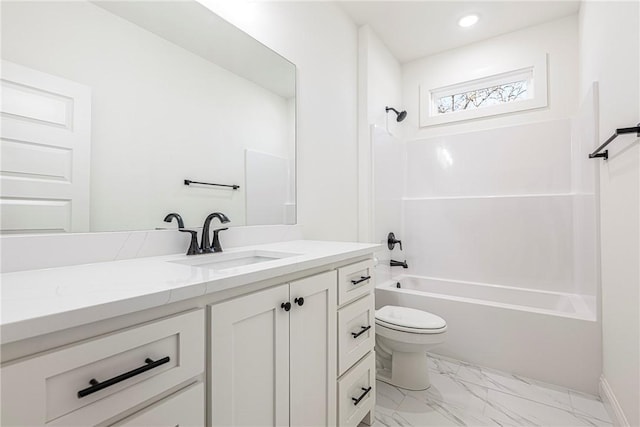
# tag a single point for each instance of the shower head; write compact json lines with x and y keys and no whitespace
{"x":401,"y":114}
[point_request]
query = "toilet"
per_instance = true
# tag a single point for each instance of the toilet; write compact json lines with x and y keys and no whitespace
{"x":403,"y":337}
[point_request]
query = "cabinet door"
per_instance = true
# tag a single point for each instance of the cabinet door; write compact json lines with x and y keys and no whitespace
{"x":313,"y":351}
{"x":249,"y":360}
{"x":184,"y":409}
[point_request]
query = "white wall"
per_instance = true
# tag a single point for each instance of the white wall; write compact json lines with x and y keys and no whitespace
{"x":160,"y":114}
{"x":609,"y":54}
{"x":379,"y":86}
{"x":322,"y":41}
{"x":558,"y":39}
{"x":384,"y":82}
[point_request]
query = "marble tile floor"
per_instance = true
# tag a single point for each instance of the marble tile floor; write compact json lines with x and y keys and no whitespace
{"x":466,"y":395}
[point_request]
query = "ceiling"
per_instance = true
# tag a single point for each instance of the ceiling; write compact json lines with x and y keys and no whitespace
{"x":414,"y":29}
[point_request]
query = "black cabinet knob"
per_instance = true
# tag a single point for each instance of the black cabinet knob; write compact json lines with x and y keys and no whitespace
{"x":299,"y":301}
{"x":286,"y":306}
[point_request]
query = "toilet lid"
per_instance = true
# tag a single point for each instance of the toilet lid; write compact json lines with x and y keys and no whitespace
{"x":409,"y":318}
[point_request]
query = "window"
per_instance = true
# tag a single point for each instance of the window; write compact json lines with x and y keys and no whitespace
{"x":498,"y":93}
{"x":485,"y":97}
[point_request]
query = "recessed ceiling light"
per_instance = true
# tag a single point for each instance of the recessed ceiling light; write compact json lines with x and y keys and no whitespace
{"x":467,"y":21}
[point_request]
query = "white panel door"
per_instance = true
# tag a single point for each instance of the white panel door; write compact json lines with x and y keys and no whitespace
{"x":313,"y":350}
{"x":45,"y":144}
{"x":249,"y":360}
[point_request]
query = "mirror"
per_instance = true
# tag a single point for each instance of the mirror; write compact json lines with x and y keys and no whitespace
{"x":110,"y":108}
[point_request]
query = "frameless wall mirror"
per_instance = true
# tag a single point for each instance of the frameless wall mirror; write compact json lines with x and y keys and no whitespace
{"x":109,"y":108}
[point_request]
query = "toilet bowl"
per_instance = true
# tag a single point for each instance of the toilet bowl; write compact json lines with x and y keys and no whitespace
{"x":403,"y":337}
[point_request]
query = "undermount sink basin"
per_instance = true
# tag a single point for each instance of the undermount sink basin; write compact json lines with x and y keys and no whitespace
{"x":224,"y":260}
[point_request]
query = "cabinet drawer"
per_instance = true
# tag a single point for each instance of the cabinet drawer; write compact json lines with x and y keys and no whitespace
{"x":354,"y":281}
{"x":356,"y":333}
{"x":353,"y":403}
{"x":183,"y":409}
{"x":132,"y":365}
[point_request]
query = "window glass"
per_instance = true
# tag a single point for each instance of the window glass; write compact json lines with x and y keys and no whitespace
{"x":483,"y":97}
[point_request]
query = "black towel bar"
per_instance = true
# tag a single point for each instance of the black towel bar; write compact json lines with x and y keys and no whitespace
{"x":620,"y":131}
{"x":189,"y":182}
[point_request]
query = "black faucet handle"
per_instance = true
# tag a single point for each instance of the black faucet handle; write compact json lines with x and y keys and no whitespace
{"x":216,"y":239}
{"x":392,"y":241}
{"x":194,"y":249}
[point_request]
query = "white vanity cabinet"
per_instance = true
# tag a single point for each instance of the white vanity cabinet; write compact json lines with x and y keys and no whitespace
{"x":293,"y":348}
{"x":273,"y":355}
{"x":356,"y":341}
{"x":94,"y":381}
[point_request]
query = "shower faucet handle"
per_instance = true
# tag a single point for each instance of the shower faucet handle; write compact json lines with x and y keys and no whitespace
{"x":392,"y":241}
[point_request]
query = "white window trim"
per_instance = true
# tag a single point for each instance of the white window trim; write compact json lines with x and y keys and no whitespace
{"x":535,"y":72}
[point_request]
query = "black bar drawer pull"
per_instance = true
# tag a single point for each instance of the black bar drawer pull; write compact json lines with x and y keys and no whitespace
{"x":362,"y":279}
{"x":366,"y":391}
{"x":97,"y":386}
{"x":364,"y":329}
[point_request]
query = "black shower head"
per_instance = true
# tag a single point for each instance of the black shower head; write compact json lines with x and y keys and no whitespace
{"x":401,"y":114}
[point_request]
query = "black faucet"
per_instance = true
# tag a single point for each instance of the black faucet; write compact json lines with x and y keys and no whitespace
{"x":216,"y":240}
{"x":206,"y":246}
{"x":175,"y":216}
{"x":394,"y":263}
{"x":193,"y":246}
{"x":194,"y":249}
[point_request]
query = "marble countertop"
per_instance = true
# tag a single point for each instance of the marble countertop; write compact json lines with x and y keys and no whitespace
{"x":37,"y":302}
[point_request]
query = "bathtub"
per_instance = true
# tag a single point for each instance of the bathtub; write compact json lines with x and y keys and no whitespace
{"x":549,"y":336}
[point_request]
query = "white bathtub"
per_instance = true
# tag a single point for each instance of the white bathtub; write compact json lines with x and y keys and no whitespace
{"x":549,"y":336}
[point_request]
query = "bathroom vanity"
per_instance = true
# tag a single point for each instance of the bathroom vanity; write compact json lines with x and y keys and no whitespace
{"x":276,"y":334}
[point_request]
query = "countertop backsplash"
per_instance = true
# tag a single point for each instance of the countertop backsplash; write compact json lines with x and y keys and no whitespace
{"x":31,"y":252}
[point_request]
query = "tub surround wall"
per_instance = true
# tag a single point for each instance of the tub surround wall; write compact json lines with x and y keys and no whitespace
{"x":522,"y":241}
{"x":514,"y":160}
{"x":585,"y":198}
{"x":612,"y":59}
{"x":498,"y":206}
{"x":388,"y":188}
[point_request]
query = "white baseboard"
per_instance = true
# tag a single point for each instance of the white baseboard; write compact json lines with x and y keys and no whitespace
{"x":611,"y":404}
